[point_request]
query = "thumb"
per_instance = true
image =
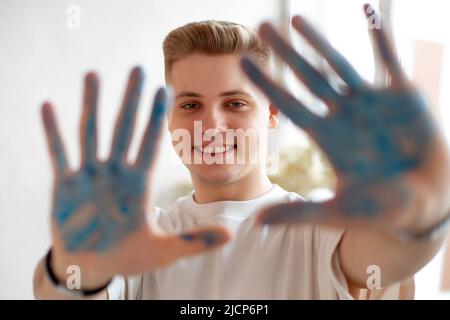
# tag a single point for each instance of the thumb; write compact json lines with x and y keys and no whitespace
{"x":300,"y":212}
{"x":194,"y":241}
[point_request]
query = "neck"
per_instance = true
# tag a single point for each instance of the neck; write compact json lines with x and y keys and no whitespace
{"x":249,"y":187}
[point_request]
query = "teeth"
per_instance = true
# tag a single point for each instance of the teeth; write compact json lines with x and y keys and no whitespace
{"x":220,"y":149}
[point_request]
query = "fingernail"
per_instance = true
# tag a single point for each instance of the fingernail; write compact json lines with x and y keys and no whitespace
{"x":250,"y":68}
{"x":209,"y":238}
{"x":266,"y":27}
{"x":164,"y":100}
{"x":137,"y":70}
{"x":270,"y":219}
{"x":188,"y":236}
{"x":91,"y":78}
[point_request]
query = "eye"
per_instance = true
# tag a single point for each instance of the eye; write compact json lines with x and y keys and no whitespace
{"x":190,"y":106}
{"x":235,"y":104}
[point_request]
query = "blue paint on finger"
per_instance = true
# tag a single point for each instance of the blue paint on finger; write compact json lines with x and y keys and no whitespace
{"x":209,"y":238}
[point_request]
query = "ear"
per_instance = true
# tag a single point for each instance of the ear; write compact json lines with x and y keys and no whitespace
{"x":273,"y":116}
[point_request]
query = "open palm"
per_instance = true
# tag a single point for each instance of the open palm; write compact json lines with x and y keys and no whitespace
{"x":99,"y":216}
{"x":373,"y":137}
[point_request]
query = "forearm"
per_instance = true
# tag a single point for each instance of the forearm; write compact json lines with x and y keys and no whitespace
{"x":430,"y":198}
{"x":44,"y":290}
{"x":397,"y":259}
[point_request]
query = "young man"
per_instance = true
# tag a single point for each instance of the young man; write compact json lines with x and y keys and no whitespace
{"x":209,"y":245}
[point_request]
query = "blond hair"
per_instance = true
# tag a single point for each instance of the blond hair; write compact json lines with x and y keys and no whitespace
{"x":213,"y":38}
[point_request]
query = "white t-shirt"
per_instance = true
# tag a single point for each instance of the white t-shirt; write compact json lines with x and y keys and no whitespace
{"x":269,"y":262}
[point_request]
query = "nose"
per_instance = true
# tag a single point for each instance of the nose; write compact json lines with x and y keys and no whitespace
{"x":213,"y":126}
{"x":214,"y":121}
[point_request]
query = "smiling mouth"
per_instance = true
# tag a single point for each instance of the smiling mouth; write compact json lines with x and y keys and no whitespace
{"x":216,"y":150}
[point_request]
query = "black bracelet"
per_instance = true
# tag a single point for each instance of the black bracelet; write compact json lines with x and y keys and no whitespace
{"x":61,"y":286}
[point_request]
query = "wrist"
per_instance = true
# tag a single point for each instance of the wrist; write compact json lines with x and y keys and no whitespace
{"x":58,"y":270}
{"x":428,"y":233}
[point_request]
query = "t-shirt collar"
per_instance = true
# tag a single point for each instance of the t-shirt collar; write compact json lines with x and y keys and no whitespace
{"x":241,"y":209}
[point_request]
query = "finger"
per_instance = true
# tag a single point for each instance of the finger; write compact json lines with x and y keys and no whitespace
{"x":88,"y":124}
{"x":282,"y":99}
{"x":54,"y":141}
{"x":332,"y":56}
{"x":383,"y":45}
{"x":302,"y":212}
{"x":127,"y":116}
{"x":307,"y":73}
{"x":193,"y":242}
{"x":151,"y":139}
{"x":337,"y":212}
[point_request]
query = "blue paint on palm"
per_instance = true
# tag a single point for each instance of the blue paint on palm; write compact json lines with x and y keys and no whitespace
{"x":104,"y":201}
{"x":120,"y":215}
{"x":376,"y":135}
{"x":371,"y":136}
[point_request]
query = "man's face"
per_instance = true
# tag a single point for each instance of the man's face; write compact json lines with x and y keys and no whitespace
{"x":225,"y":116}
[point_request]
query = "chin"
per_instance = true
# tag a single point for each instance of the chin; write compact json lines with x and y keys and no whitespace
{"x":217,"y":174}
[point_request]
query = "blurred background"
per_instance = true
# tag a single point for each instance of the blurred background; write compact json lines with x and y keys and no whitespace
{"x":46,"y":48}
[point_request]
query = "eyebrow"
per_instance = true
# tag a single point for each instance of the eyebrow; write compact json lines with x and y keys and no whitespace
{"x":192,"y":94}
{"x":235,"y":93}
{"x":188,"y":94}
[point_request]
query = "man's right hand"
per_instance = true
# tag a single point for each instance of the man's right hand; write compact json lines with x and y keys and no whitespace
{"x":98,"y":219}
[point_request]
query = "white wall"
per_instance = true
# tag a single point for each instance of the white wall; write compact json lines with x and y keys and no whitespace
{"x":40,"y":58}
